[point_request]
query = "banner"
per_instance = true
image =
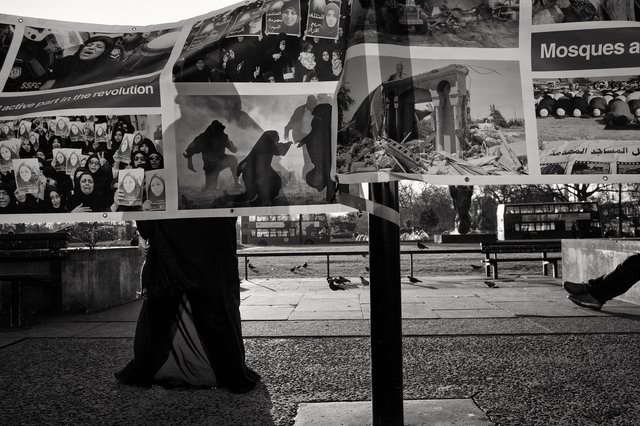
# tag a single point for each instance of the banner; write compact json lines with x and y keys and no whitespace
{"x":266,"y":106}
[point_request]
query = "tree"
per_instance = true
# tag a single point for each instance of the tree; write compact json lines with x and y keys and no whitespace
{"x":344,"y":102}
{"x":343,"y":224}
{"x":429,"y":219}
{"x":416,"y":198}
{"x":496,"y":115}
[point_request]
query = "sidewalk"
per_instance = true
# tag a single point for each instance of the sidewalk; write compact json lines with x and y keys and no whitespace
{"x":519,"y":353}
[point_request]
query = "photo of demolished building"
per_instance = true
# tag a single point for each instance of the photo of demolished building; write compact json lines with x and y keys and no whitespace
{"x":422,"y":124}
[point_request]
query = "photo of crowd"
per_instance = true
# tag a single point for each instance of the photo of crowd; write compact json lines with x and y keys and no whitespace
{"x":279,"y":154}
{"x":280,"y":41}
{"x":48,"y":171}
{"x":51,"y":58}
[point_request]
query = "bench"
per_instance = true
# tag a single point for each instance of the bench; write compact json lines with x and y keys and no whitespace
{"x":30,"y":260}
{"x":544,"y":247}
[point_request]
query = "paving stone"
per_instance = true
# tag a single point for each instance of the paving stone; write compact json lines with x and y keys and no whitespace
{"x":460,"y":412}
{"x":266,"y":313}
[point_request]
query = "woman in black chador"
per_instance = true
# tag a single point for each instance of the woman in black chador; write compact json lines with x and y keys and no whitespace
{"x":92,"y":63}
{"x":261,"y":181}
{"x":189,"y":331}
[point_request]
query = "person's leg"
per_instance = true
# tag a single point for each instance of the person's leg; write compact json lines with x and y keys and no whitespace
{"x":616,"y":282}
{"x":152,"y":343}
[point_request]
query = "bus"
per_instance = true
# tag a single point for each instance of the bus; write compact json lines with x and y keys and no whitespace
{"x":541,"y":221}
{"x":284,"y":229}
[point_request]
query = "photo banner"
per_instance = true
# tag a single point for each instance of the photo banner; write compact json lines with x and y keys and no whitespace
{"x":260,"y":108}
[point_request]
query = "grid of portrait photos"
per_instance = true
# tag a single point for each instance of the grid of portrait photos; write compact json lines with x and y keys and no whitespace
{"x":265,"y":106}
{"x":79,"y":164}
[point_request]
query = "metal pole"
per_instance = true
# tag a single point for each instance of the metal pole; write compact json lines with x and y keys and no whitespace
{"x":386,"y":310}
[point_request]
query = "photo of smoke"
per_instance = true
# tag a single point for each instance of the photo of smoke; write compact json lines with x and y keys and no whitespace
{"x":434,"y":117}
{"x":559,"y":11}
{"x":50,"y":58}
{"x":588,"y":125}
{"x":266,"y":43}
{"x":244,"y":151}
{"x":446,"y":23}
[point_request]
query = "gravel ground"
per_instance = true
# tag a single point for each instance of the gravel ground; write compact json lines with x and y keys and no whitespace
{"x":535,"y":380}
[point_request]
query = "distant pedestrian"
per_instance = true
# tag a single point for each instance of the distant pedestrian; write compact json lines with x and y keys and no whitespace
{"x":596,"y":292}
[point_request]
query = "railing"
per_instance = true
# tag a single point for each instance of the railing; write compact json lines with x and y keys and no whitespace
{"x":264,"y":253}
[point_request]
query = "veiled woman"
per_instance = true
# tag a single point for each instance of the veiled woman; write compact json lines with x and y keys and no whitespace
{"x":189,"y":331}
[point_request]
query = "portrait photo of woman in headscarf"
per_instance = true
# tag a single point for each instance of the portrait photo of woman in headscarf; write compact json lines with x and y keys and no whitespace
{"x":59,"y":161}
{"x":62,"y":126}
{"x":8,"y":152}
{"x":130,"y":187}
{"x":283,"y":17}
{"x":123,"y":153}
{"x":6,"y":131}
{"x":323,"y":20}
{"x":73,"y":160}
{"x":27,"y":173}
{"x":156,"y":198}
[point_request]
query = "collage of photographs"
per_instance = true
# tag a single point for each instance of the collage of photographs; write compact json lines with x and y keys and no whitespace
{"x":275,"y":101}
{"x":421,"y":114}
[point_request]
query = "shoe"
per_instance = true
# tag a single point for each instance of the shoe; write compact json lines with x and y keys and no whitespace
{"x":586,"y":301}
{"x":575,"y":289}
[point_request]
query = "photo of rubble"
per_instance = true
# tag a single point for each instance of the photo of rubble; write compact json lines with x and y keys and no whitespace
{"x":559,"y":11}
{"x":446,"y":23}
{"x":253,"y":151}
{"x":588,"y":125}
{"x":433,"y":117}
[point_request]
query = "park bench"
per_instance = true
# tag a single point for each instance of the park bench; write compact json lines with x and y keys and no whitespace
{"x":543,"y":247}
{"x":30,"y":260}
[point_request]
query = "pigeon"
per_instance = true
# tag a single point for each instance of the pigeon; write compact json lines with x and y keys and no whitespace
{"x":366,"y":268}
{"x":421,"y":246}
{"x":364,"y":255}
{"x":293,"y":269}
{"x":253,"y":268}
{"x":490,"y":284}
{"x":343,"y":279}
{"x":413,"y":279}
{"x":364,"y":280}
{"x":338,"y":280}
{"x":305,"y":265}
{"x":476,"y":267}
{"x":298,"y":266}
{"x":333,"y":286}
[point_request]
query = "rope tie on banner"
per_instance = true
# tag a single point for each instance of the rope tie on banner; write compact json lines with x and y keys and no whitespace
{"x":364,"y":205}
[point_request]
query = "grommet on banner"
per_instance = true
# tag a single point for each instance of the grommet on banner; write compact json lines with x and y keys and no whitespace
{"x":104,"y":215}
{"x":133,"y":29}
{"x":20,"y":20}
{"x":605,"y":177}
{"x":467,"y":179}
{"x":230,"y":210}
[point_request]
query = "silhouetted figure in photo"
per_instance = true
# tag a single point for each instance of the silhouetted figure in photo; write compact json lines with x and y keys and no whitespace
{"x":212,"y":144}
{"x":318,"y":144}
{"x":261,"y":181}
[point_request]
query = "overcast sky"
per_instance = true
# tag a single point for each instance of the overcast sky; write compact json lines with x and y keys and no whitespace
{"x":114,"y":12}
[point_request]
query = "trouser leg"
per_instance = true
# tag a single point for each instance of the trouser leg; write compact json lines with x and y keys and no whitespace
{"x":618,"y":281}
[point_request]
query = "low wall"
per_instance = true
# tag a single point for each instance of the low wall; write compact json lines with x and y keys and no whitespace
{"x":590,"y":258}
{"x":93,"y":280}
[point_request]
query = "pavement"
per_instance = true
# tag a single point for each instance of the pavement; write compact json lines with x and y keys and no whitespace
{"x":516,"y":353}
